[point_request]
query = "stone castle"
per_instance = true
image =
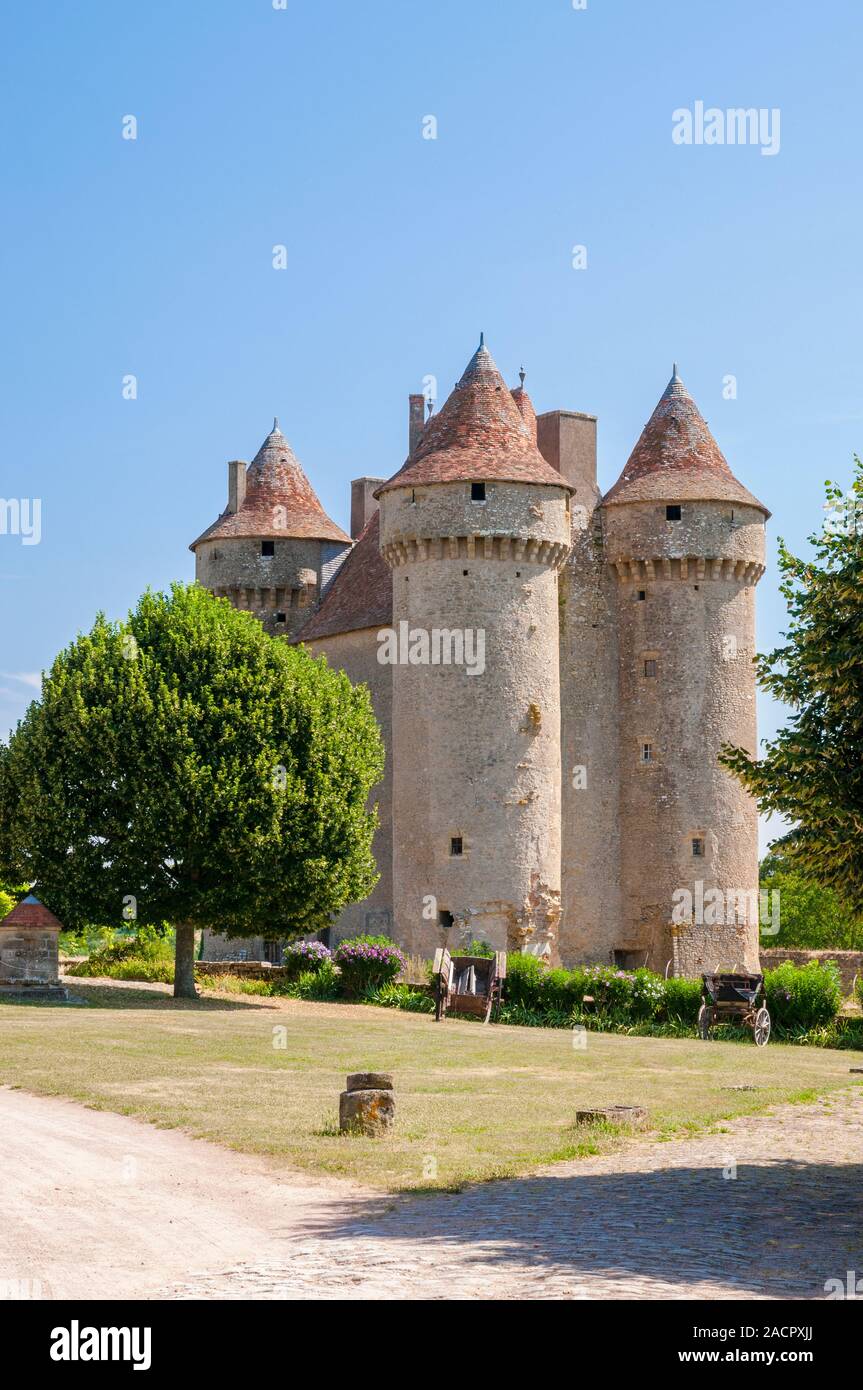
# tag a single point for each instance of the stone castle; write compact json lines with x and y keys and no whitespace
{"x":554,"y":672}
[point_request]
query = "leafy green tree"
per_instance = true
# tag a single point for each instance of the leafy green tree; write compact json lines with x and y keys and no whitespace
{"x":812,"y":772}
{"x":10,"y":894}
{"x":810,"y":916}
{"x":185,"y":767}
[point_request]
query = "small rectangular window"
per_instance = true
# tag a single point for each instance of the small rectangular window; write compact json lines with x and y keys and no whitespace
{"x":456,"y":846}
{"x":444,"y":919}
{"x":477,"y":492}
{"x":697,"y":847}
{"x":268,"y":547}
{"x":672,"y":513}
{"x":647,"y":752}
{"x":281,"y":618}
{"x":642,"y":595}
{"x":650,"y":666}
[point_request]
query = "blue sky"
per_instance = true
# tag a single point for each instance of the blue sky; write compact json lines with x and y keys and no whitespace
{"x":303,"y":127}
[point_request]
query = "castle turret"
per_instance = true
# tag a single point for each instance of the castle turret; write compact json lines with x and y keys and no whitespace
{"x":274,"y":549}
{"x":686,"y":542}
{"x":475,"y":527}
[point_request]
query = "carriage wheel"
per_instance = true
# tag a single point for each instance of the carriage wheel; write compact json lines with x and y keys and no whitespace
{"x":761,"y":1030}
{"x":704,"y":1020}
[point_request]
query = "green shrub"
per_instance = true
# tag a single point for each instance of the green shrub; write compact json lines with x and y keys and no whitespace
{"x":142,"y":968}
{"x":806,"y":996}
{"x":682,"y":1001}
{"x":304,"y":957}
{"x":147,"y":947}
{"x":400,"y":996}
{"x":321,"y":983}
{"x":475,"y":948}
{"x":226,"y":983}
{"x":367,"y":962}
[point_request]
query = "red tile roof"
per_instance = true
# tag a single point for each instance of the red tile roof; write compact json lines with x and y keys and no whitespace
{"x":31,"y":913}
{"x":274,"y":481}
{"x":478,"y":435}
{"x":677,"y":458}
{"x":361,"y":595}
{"x":525,"y":408}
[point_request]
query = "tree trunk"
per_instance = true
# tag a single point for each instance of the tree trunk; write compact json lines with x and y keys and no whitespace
{"x":184,"y":962}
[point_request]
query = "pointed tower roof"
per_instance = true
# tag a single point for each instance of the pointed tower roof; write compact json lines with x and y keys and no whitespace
{"x":361,"y":595}
{"x":277,"y":491}
{"x":524,"y":403}
{"x":677,"y":459}
{"x":479,"y":435}
{"x":31,"y":913}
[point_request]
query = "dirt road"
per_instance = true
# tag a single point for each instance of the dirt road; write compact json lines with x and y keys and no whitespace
{"x":99,"y":1206}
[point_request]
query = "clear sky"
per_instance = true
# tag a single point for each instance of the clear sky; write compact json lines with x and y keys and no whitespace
{"x":303,"y":127}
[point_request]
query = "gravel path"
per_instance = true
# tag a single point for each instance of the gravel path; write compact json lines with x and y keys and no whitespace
{"x":98,"y":1205}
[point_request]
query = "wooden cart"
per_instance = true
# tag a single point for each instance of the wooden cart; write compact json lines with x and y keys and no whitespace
{"x":734,"y":999}
{"x":468,"y":984}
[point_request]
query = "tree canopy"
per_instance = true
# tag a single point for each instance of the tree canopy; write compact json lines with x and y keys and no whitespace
{"x":812,"y":771}
{"x":184,"y":766}
{"x":811,"y":916}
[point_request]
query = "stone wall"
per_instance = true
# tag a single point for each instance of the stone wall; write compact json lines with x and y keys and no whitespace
{"x":28,"y":953}
{"x":288,"y":583}
{"x":686,"y":612}
{"x":850,"y":963}
{"x":477,"y":757}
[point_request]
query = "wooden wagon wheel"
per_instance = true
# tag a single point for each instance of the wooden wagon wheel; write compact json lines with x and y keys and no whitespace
{"x":705,"y":1019}
{"x":761,"y":1030}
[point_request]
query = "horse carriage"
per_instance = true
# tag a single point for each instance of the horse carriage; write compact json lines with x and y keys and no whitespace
{"x":468,"y":984}
{"x":734,"y":999}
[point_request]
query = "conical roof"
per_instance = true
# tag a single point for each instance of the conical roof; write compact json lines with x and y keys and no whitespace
{"x":677,"y":459}
{"x":31,"y":913}
{"x":280,"y":501}
{"x":524,"y":404}
{"x":361,"y":595}
{"x":479,"y":435}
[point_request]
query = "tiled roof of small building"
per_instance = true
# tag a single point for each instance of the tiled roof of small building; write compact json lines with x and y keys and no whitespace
{"x":361,"y":595}
{"x":677,"y":459}
{"x":274,"y":481}
{"x":31,"y":913}
{"x":479,"y":435}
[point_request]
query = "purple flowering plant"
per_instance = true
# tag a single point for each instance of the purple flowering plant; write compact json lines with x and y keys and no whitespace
{"x":367,"y":962}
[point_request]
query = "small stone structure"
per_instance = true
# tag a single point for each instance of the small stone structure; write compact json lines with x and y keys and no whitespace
{"x":29,"y":960}
{"x":630,"y":1116}
{"x":368,"y":1106}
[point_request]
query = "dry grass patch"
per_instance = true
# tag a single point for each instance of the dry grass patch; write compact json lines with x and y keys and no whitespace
{"x":473,"y":1102}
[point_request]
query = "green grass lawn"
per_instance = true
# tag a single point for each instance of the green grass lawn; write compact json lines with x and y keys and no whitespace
{"x":473,"y":1102}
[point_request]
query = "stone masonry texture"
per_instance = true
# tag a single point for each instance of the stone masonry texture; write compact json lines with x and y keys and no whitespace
{"x":564,"y":796}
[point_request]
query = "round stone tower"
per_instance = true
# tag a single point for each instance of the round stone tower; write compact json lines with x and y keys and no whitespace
{"x":686,"y":541}
{"x":273,"y":549}
{"x":475,"y":527}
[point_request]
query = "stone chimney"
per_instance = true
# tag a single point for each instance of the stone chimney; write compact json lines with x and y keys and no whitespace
{"x":567,"y":440}
{"x":236,"y":484}
{"x":416,"y":420}
{"x":363,"y":504}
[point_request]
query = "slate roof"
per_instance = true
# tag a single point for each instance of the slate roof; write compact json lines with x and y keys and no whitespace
{"x":275,"y":479}
{"x":677,"y":459}
{"x":361,"y":595}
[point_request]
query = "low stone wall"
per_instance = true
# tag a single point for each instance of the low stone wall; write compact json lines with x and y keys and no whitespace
{"x":850,"y":963}
{"x":243,"y":969}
